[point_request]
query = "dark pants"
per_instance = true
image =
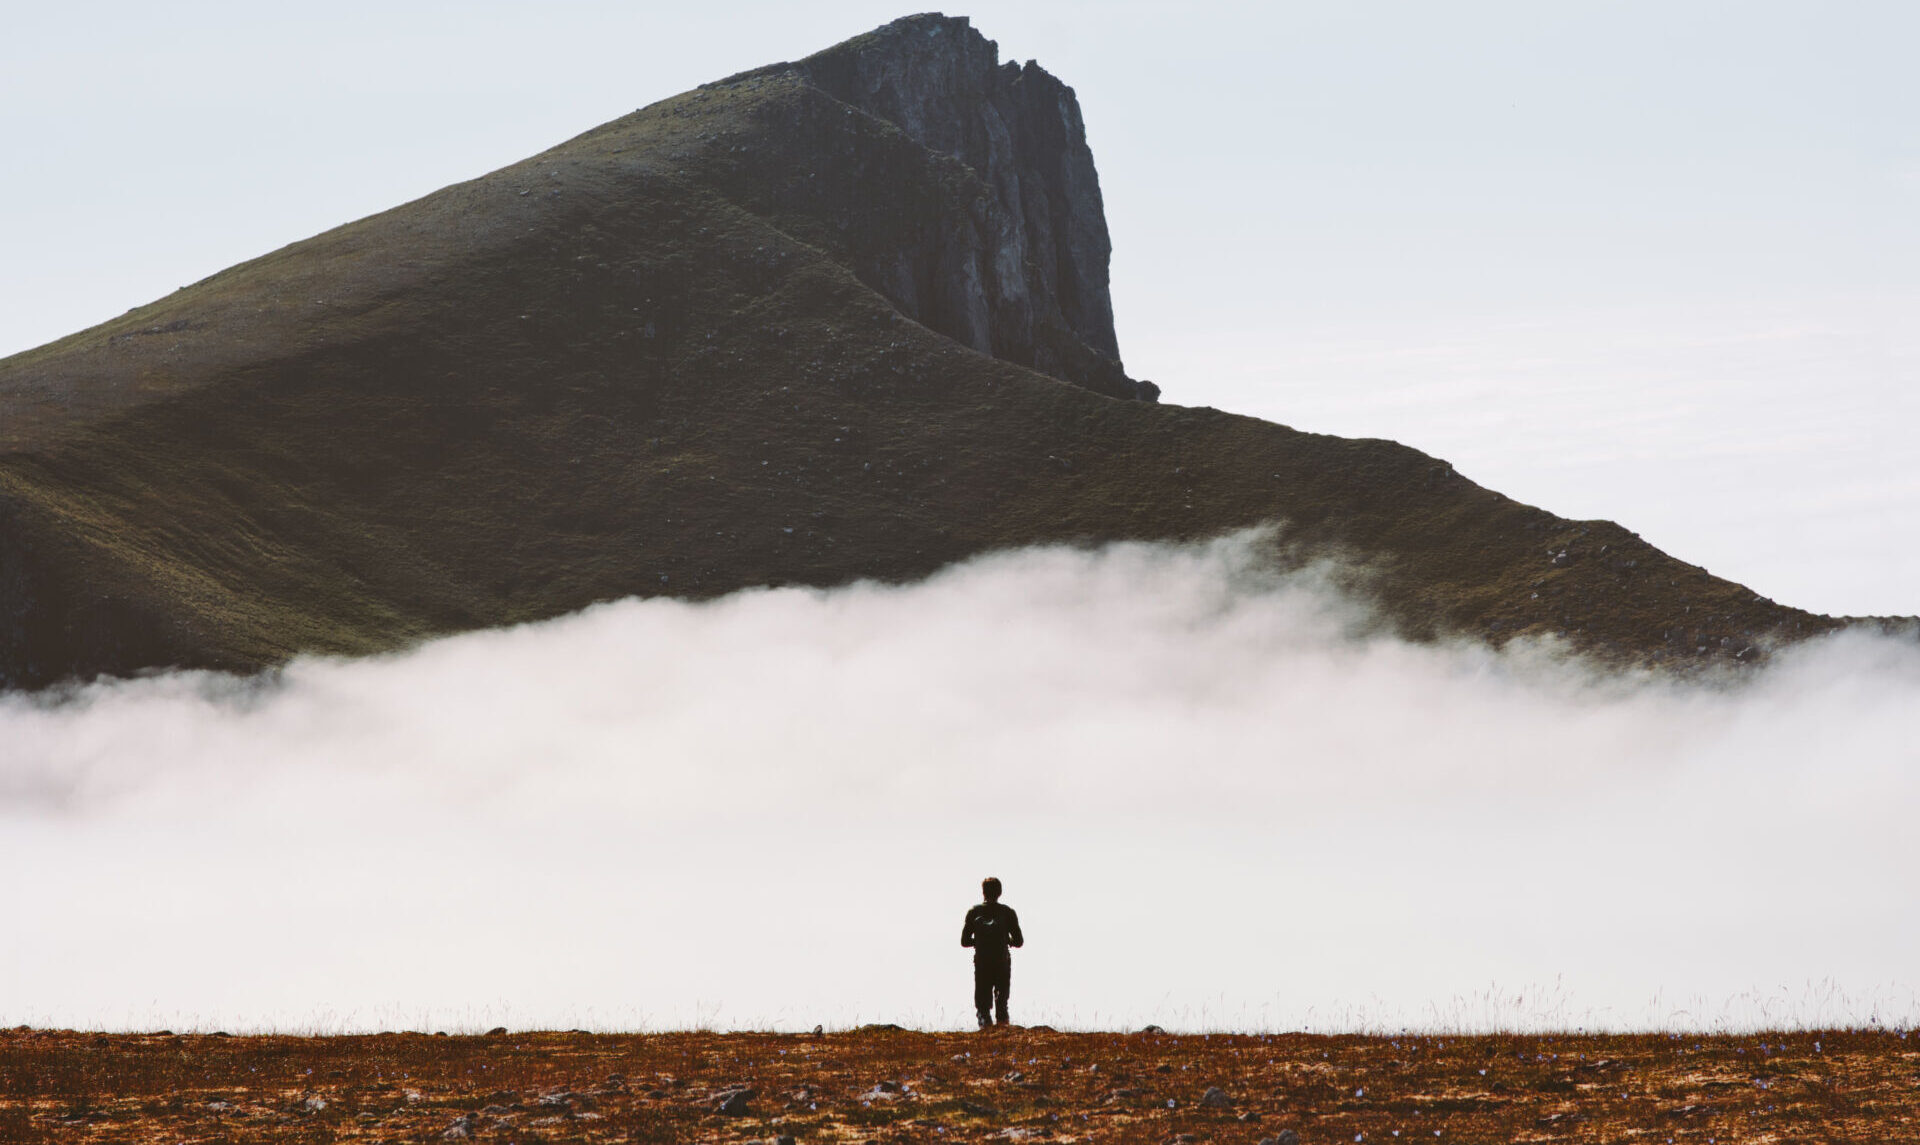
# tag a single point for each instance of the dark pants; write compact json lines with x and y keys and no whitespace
{"x":991,"y":975}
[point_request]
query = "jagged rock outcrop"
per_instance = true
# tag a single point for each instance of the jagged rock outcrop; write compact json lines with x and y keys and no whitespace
{"x":1022,"y":273}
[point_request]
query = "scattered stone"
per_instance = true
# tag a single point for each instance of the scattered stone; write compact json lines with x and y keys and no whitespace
{"x":1215,"y":1098}
{"x":497,"y":1031}
{"x":566,"y":1101}
{"x":734,"y":1102}
{"x":462,"y":1127}
{"x":1151,"y":1030}
{"x":1284,"y":1137}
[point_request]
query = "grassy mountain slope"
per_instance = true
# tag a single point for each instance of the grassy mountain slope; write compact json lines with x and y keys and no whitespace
{"x":647,"y":362}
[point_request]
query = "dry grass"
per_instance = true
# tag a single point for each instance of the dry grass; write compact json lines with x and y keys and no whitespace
{"x":1024,"y":1084}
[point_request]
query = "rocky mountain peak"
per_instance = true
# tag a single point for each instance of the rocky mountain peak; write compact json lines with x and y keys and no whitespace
{"x":1027,"y":282}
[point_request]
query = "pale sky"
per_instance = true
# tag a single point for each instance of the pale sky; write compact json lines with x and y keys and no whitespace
{"x":1656,"y":262}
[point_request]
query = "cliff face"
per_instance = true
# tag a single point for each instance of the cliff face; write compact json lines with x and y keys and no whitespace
{"x":1021,"y":272}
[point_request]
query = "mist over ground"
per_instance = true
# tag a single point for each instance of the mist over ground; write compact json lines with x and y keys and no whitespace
{"x":1218,"y":797}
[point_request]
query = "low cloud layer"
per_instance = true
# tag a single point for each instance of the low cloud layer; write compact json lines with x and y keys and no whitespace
{"x":1214,"y":802}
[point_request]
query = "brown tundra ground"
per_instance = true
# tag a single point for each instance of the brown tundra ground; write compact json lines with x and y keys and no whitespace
{"x":884,"y":1085}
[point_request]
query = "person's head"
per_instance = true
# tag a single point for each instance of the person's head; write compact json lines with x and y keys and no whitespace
{"x":990,"y":889}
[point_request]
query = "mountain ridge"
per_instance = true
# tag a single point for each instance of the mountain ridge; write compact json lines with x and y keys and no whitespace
{"x":677,"y":355}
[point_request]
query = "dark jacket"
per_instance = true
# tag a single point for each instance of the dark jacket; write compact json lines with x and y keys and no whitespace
{"x":991,"y":928}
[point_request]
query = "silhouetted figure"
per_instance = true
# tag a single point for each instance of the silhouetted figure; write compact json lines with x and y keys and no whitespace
{"x":992,"y":928}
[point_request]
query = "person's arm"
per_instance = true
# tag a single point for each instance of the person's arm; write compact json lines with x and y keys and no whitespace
{"x":966,"y":931}
{"x":1014,"y":937}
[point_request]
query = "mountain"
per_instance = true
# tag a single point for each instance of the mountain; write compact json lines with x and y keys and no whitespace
{"x":839,"y":318}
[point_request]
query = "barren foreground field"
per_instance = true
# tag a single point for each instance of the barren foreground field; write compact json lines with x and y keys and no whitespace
{"x":881,"y":1084}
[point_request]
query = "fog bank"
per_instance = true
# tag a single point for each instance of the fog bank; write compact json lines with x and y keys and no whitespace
{"x":1215,"y":801}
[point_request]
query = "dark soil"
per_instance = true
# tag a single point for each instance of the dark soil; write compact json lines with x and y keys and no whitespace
{"x":881,"y":1084}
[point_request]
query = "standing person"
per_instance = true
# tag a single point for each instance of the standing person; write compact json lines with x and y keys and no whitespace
{"x":991,"y":929}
